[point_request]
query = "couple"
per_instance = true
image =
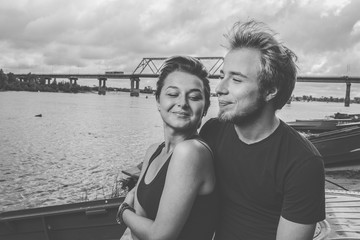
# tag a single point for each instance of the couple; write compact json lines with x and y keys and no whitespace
{"x":247,"y":175}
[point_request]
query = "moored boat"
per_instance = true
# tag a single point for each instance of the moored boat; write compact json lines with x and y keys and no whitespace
{"x":353,"y":116}
{"x":84,"y":220}
{"x":340,"y":146}
{"x":334,"y":122}
{"x":317,"y":125}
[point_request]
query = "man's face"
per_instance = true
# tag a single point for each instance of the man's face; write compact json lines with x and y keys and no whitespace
{"x":240,"y":100}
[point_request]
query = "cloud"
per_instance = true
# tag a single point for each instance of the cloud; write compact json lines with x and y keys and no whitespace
{"x":356,"y":29}
{"x":333,"y":7}
{"x":93,"y":35}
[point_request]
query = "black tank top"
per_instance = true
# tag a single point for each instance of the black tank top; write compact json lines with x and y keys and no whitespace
{"x":201,"y":222}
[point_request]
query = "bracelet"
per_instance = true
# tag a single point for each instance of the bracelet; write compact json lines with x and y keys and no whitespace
{"x":124,"y":206}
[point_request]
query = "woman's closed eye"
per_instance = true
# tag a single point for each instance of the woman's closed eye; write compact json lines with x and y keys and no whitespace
{"x":172,"y":94}
{"x":195,"y":97}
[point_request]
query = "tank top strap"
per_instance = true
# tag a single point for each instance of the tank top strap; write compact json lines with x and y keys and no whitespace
{"x":154,"y":155}
{"x":202,"y":141}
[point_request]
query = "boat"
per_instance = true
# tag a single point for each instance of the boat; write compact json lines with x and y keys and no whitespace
{"x":318,"y":125}
{"x":95,"y":220}
{"x":340,"y":147}
{"x":84,"y":220}
{"x":330,"y":123}
{"x":338,"y":115}
{"x":89,"y":220}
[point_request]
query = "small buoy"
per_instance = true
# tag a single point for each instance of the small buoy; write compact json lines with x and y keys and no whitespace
{"x":38,"y":115}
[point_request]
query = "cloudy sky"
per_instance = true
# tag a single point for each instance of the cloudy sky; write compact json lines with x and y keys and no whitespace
{"x":93,"y":36}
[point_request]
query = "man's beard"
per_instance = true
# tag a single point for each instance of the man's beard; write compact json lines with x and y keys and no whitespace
{"x":252,"y":113}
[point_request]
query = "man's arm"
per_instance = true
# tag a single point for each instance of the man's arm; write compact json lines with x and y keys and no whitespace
{"x":304,"y":201}
{"x":294,"y":231}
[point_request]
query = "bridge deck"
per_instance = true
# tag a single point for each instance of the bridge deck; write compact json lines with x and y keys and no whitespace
{"x":323,"y":79}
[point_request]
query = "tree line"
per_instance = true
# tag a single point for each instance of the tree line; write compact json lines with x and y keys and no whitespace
{"x":310,"y":98}
{"x":31,"y":82}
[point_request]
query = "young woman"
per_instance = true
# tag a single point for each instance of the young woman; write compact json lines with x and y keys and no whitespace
{"x":175,"y":197}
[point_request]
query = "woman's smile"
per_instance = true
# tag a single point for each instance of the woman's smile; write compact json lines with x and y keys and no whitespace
{"x":182,"y":113}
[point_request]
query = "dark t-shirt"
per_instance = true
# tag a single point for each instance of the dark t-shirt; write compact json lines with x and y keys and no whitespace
{"x":282,"y":175}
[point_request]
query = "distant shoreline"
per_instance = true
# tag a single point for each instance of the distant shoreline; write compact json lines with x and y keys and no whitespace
{"x":310,"y":98}
{"x":85,"y":89}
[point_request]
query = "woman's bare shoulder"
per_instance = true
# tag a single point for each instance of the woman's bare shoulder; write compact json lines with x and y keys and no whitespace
{"x":193,"y":146}
{"x":192,"y":152}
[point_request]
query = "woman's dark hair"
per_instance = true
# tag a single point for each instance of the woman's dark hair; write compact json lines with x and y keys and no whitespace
{"x":184,"y":64}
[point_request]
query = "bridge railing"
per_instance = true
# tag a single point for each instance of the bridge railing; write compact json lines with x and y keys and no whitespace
{"x":154,"y":65}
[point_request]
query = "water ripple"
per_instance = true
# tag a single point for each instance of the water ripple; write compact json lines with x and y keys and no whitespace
{"x":77,"y":150}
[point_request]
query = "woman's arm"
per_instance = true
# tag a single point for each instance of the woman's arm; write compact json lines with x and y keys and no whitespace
{"x":185,"y":179}
{"x":150,"y":151}
{"x":132,"y":199}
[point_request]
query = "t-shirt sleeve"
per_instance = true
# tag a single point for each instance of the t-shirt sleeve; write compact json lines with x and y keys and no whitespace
{"x":304,"y":196}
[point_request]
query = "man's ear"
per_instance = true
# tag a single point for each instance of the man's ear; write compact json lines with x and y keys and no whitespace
{"x":271,"y":93}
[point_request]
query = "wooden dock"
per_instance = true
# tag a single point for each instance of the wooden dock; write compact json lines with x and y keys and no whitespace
{"x":342,"y":217}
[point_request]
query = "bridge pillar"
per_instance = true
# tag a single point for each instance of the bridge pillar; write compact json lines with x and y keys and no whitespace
{"x":102,"y":86}
{"x":134,"y":90}
{"x":48,"y":80}
{"x":347,"y":95}
{"x":23,"y":79}
{"x":73,"y":79}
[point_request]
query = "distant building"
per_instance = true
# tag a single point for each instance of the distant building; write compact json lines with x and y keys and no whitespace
{"x":148,"y":89}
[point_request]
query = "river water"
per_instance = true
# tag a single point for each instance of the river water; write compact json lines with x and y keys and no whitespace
{"x":79,"y":146}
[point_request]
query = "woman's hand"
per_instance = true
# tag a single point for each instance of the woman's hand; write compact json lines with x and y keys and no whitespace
{"x":130,"y":196}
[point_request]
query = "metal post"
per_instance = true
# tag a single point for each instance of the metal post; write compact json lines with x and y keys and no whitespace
{"x":131,"y":84}
{"x":347,"y":96}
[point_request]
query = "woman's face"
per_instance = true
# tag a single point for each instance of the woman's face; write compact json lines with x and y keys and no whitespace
{"x":182,"y":101}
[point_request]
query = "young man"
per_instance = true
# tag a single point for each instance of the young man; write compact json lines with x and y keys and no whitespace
{"x":271,"y":179}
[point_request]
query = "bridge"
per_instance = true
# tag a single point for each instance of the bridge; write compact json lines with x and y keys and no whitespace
{"x":331,"y":79}
{"x":150,"y":68}
{"x":147,"y":68}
